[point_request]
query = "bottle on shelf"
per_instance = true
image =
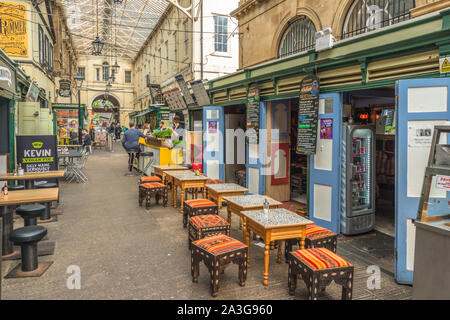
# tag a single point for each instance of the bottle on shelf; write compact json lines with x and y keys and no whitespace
{"x":5,"y":189}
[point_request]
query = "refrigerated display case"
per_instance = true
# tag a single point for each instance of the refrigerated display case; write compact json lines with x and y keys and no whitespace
{"x":358,"y":179}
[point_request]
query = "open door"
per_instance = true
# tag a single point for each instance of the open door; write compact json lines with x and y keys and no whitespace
{"x":325,"y":166}
{"x":29,"y":115}
{"x":421,"y":104}
{"x":213,"y":146}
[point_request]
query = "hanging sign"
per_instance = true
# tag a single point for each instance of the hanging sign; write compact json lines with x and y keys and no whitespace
{"x":308,"y":113}
{"x":185,"y":91}
{"x":175,"y":100}
{"x":253,"y":101}
{"x":33,"y":93}
{"x":65,"y":88}
{"x":13,"y":29}
{"x":200,"y":93}
{"x":444,"y":65}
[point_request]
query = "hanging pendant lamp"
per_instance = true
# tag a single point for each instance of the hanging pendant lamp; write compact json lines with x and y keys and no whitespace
{"x":97,"y":44}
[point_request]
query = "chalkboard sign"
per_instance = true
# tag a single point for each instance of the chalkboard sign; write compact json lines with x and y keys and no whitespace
{"x":253,"y":100}
{"x":308,"y":113}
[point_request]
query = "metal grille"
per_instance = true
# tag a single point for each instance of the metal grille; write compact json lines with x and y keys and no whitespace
{"x":298,"y":37}
{"x":369,"y":15}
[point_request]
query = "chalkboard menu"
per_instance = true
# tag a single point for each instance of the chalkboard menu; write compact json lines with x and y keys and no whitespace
{"x":253,"y":100}
{"x":308,"y":113}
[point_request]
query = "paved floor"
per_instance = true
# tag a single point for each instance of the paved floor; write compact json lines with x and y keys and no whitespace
{"x":127,"y":252}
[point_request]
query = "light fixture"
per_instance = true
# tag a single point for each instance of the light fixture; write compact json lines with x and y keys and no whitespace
{"x":78,"y":80}
{"x":97,"y":44}
{"x":115,"y":67}
{"x":118,"y":1}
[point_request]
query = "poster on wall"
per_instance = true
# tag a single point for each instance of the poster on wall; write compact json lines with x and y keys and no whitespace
{"x":37,"y":153}
{"x":13,"y":29}
{"x":212,"y":126}
{"x":280,"y":165}
{"x":253,"y":101}
{"x":326,"y":129}
{"x":308,"y":113}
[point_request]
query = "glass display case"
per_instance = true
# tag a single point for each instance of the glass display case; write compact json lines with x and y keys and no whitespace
{"x":358,"y":189}
{"x":66,"y":126}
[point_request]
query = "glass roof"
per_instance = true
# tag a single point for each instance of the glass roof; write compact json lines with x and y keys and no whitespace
{"x":123,"y":27}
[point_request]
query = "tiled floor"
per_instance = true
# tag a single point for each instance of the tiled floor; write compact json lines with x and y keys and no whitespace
{"x":127,"y":252}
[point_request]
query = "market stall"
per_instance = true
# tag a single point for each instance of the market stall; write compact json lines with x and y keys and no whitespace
{"x":66,"y":122}
{"x":162,"y":155}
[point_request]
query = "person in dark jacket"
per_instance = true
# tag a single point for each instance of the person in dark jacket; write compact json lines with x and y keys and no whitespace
{"x":118,"y":131}
{"x":130,"y":140}
{"x":87,"y":141}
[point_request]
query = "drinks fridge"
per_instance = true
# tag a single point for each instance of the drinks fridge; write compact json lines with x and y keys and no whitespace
{"x":358,"y":179}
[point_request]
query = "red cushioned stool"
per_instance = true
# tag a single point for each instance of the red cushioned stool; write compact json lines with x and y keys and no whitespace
{"x":316,"y":237}
{"x":206,"y":226}
{"x":217,"y":252}
{"x":198,"y":207}
{"x":156,"y":189}
{"x":318,"y":267}
{"x":148,"y":179}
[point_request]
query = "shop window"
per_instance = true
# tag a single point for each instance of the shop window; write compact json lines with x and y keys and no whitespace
{"x":369,"y":15}
{"x":220,"y":34}
{"x":299,"y":36}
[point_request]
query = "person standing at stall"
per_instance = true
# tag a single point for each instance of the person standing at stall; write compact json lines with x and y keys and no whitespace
{"x":177,"y":130}
{"x":86,"y":140}
{"x":118,"y":130}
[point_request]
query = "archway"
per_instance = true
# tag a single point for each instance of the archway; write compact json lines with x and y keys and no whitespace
{"x":105,"y":108}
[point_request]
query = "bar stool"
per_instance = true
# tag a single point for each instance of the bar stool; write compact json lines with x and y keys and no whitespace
{"x":27,"y":238}
{"x":150,"y":161}
{"x":30,"y":213}
{"x":46,"y":215}
{"x":131,"y":155}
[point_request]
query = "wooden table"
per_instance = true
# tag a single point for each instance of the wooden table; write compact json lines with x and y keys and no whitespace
{"x":186,"y":180}
{"x":17,"y":198}
{"x":162,"y":170}
{"x":168,"y":179}
{"x":218,"y":191}
{"x":278,"y":225}
{"x":29,"y":177}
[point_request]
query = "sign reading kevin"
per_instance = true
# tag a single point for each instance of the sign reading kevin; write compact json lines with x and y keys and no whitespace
{"x":37,"y":153}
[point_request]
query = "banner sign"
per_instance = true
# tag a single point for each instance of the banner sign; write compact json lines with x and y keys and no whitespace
{"x":33,"y":93}
{"x":175,"y":100}
{"x":13,"y":29}
{"x":308,"y":113}
{"x":200,"y":93}
{"x":65,"y":88}
{"x":37,"y":153}
{"x":185,"y":90}
{"x":253,"y":101}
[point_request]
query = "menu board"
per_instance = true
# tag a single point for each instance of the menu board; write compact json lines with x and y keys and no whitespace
{"x":253,"y":101}
{"x":185,"y":90}
{"x":200,"y":93}
{"x":175,"y":100}
{"x":308,"y":113}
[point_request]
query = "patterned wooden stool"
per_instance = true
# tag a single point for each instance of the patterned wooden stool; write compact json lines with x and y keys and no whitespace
{"x":316,"y":237}
{"x":149,"y":179}
{"x":207,"y":225}
{"x":198,"y":207}
{"x":156,"y":189}
{"x":318,"y":267}
{"x":217,"y":253}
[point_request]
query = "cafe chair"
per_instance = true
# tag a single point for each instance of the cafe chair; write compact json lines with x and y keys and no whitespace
{"x":207,"y":225}
{"x":198,"y":207}
{"x":131,"y":156}
{"x":217,"y":253}
{"x":27,"y":238}
{"x":153,"y":189}
{"x":30,"y":213}
{"x":149,"y":179}
{"x":46,"y":216}
{"x":318,"y":267}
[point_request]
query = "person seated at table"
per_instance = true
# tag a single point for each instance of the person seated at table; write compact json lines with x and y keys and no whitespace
{"x":161,"y":126}
{"x":177,"y":130}
{"x":130,"y":140}
{"x":86,"y":139}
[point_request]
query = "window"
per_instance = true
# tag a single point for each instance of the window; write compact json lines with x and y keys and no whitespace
{"x":160,"y":60}
{"x":41,"y":45}
{"x":368,"y":15}
{"x":127,"y":76}
{"x":98,"y":73}
{"x":186,"y":38}
{"x":220,"y":34}
{"x":299,"y":36}
{"x":167,"y":56}
{"x":46,"y":46}
{"x":176,"y":46}
{"x":81,"y":72}
{"x":105,"y":71}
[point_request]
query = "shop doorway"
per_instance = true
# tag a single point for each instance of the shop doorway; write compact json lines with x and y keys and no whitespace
{"x":369,"y":160}
{"x":235,"y":150}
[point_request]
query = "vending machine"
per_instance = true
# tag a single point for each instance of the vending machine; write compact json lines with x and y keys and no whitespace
{"x":358,"y":179}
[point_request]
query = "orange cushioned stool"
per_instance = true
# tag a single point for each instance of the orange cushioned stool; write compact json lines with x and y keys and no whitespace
{"x":318,"y":267}
{"x":148,"y":179}
{"x":156,"y":189}
{"x":217,"y":252}
{"x":198,"y":207}
{"x":207,"y":225}
{"x":316,"y":237}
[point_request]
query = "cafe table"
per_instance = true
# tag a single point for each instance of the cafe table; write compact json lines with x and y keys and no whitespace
{"x":277,"y":225}
{"x":16,"y":198}
{"x":29,"y":177}
{"x":186,"y":180}
{"x":218,"y":191}
{"x":162,"y":170}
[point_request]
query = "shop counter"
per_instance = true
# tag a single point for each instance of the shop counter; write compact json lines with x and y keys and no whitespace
{"x":162,"y":156}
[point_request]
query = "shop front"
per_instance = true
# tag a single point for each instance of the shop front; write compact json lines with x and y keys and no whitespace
{"x":67,"y":119}
{"x":380,"y":97}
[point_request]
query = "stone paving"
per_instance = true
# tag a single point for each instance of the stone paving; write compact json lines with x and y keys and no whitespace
{"x":127,"y":252}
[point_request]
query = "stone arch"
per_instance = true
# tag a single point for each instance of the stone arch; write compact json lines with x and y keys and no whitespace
{"x":111,"y":97}
{"x":339,"y":18}
{"x":287,"y":19}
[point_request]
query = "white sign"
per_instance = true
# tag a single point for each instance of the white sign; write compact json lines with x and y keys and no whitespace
{"x":420,"y":135}
{"x":443,"y":182}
